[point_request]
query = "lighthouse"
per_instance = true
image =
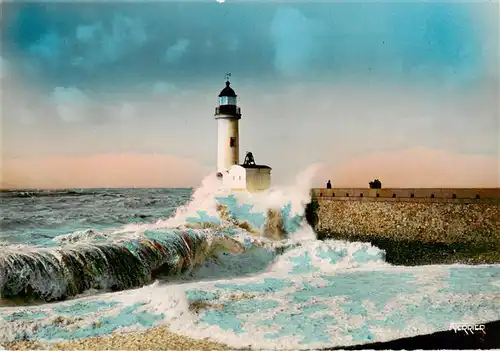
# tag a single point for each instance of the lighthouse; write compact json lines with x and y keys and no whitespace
{"x":228,"y":115}
{"x":247,"y":176}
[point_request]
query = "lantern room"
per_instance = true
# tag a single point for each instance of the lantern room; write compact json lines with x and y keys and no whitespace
{"x":227,"y":95}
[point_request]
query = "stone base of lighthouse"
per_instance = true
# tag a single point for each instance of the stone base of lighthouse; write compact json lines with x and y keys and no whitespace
{"x":252,"y":178}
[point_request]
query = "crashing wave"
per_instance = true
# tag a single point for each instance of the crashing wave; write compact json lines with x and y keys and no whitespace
{"x":214,"y":221}
{"x":80,"y":236}
{"x":55,"y":274}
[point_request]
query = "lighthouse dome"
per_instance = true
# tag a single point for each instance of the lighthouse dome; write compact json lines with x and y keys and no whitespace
{"x":227,"y":91}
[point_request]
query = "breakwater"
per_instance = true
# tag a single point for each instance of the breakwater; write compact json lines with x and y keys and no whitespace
{"x":458,"y":219}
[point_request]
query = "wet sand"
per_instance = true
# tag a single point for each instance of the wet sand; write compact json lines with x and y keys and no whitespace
{"x":154,"y":339}
{"x":161,"y":339}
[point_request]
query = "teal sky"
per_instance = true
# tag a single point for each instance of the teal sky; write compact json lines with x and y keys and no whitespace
{"x":330,"y":82}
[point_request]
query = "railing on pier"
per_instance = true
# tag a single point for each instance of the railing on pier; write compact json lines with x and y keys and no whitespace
{"x":409,"y":194}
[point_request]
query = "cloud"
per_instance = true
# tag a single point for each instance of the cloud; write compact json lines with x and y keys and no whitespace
{"x":175,"y":52}
{"x":125,"y":36}
{"x":233,"y":44}
{"x":20,"y":105}
{"x":71,"y":121}
{"x":292,"y":34}
{"x":108,"y":42}
{"x":160,"y":88}
{"x":418,"y":42}
{"x":123,"y":97}
{"x":85,"y":45}
{"x":86,"y":33}
{"x":416,"y":167}
{"x":26,"y":117}
{"x":49,"y":47}
{"x":127,"y":111}
{"x":69,"y":95}
{"x":301,"y":123}
{"x":94,"y":45}
{"x":106,"y":170}
{"x":3,"y":67}
{"x":71,"y":103}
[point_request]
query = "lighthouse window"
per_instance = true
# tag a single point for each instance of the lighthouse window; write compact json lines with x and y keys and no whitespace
{"x":232,"y":141}
{"x":227,"y":100}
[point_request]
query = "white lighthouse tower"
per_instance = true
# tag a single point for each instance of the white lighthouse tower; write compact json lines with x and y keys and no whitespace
{"x":247,"y":176}
{"x":228,"y":115}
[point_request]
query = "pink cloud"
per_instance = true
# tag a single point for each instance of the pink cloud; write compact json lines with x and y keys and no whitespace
{"x":418,"y":167}
{"x":107,"y":170}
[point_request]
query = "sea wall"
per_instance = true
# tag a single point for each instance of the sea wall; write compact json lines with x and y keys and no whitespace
{"x":428,"y":215}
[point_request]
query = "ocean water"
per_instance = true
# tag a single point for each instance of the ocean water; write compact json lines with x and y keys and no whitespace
{"x":242,"y":269}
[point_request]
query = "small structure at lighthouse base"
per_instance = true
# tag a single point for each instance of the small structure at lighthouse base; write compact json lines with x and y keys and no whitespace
{"x":248,"y":176}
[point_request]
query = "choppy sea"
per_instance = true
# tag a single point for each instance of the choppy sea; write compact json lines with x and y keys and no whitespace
{"x":242,"y":269}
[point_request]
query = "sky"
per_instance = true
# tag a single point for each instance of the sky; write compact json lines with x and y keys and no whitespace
{"x":122,"y":94}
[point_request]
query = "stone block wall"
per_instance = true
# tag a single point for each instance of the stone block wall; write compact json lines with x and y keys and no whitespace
{"x":449,"y":216}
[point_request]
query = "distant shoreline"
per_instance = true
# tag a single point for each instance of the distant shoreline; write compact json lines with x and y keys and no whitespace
{"x":84,"y":188}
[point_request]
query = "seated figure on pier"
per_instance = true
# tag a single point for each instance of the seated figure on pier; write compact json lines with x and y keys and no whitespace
{"x":376,"y":184}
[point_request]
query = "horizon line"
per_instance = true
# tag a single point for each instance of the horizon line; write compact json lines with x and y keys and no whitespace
{"x":193,"y":187}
